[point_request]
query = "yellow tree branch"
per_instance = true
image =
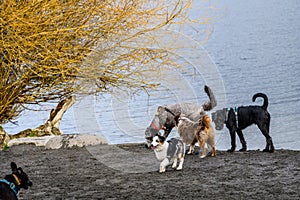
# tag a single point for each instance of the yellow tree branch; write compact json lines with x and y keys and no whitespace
{"x":50,"y":49}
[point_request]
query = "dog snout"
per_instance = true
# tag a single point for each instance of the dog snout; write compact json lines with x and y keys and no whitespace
{"x":28,"y":184}
{"x":152,"y":147}
{"x":148,"y":144}
{"x":219,"y":127}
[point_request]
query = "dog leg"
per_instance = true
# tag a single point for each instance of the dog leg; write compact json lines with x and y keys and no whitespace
{"x":174,"y":163}
{"x":202,"y":146}
{"x":272,"y":149}
{"x":233,"y":145}
{"x":213,"y":148}
{"x":184,"y":147}
{"x":242,"y":140}
{"x":211,"y":140}
{"x":269,"y":146}
{"x":181,"y":159}
{"x":265,"y":131}
{"x":192,"y":148}
{"x":163,"y":165}
{"x":266,"y":149}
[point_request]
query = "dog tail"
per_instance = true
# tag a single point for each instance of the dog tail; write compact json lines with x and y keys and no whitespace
{"x":266,"y":101}
{"x":209,"y":105}
{"x":206,"y":121}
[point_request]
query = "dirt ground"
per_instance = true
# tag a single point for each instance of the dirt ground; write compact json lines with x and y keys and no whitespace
{"x":131,"y":172}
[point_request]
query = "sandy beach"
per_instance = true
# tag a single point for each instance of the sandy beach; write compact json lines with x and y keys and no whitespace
{"x":130,"y":171}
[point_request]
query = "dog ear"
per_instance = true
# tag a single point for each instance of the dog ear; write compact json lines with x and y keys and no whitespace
{"x":160,"y":108}
{"x":20,"y":170}
{"x":161,"y":138}
{"x":157,"y":134}
{"x":14,"y":167}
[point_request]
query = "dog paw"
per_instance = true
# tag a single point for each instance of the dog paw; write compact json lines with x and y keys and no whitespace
{"x":230,"y":150}
{"x":162,"y":170}
{"x":266,"y":150}
{"x":203,"y":156}
{"x":243,"y":149}
{"x":179,"y":168}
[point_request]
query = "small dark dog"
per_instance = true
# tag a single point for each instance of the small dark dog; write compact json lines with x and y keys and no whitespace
{"x":11,"y":184}
{"x":242,"y":117}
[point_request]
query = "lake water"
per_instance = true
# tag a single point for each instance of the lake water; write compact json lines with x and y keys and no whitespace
{"x":254,"y":47}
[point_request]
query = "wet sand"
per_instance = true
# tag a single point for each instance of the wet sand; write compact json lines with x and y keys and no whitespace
{"x":130,"y":171}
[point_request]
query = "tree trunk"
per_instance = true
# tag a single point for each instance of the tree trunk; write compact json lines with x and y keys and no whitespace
{"x":51,"y":126}
{"x":4,"y":138}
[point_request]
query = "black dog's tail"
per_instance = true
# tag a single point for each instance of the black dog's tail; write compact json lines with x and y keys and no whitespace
{"x":212,"y":100}
{"x":266,"y":101}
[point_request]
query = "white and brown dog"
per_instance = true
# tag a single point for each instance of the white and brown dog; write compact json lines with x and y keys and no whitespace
{"x":166,"y":151}
{"x":192,"y":132}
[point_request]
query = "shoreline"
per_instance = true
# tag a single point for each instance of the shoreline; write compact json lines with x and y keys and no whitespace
{"x":129,"y":171}
{"x":83,"y":140}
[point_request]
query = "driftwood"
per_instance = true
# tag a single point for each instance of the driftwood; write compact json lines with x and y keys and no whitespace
{"x":51,"y":126}
{"x":60,"y":141}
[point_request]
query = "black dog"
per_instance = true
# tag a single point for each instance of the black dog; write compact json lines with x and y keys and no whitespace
{"x":11,"y":184}
{"x":239,"y":118}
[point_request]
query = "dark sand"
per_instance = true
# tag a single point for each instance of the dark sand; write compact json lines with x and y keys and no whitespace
{"x":85,"y":173}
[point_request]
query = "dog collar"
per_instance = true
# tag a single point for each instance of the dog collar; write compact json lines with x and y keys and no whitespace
{"x":235,"y":110}
{"x":154,"y":126}
{"x":236,"y":116}
{"x":11,"y":185}
{"x":226,"y":114}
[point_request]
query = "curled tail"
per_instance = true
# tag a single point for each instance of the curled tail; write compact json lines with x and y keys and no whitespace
{"x":212,"y":100}
{"x":266,"y":101}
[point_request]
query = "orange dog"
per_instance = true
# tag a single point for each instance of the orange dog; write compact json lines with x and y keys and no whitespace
{"x":205,"y":134}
